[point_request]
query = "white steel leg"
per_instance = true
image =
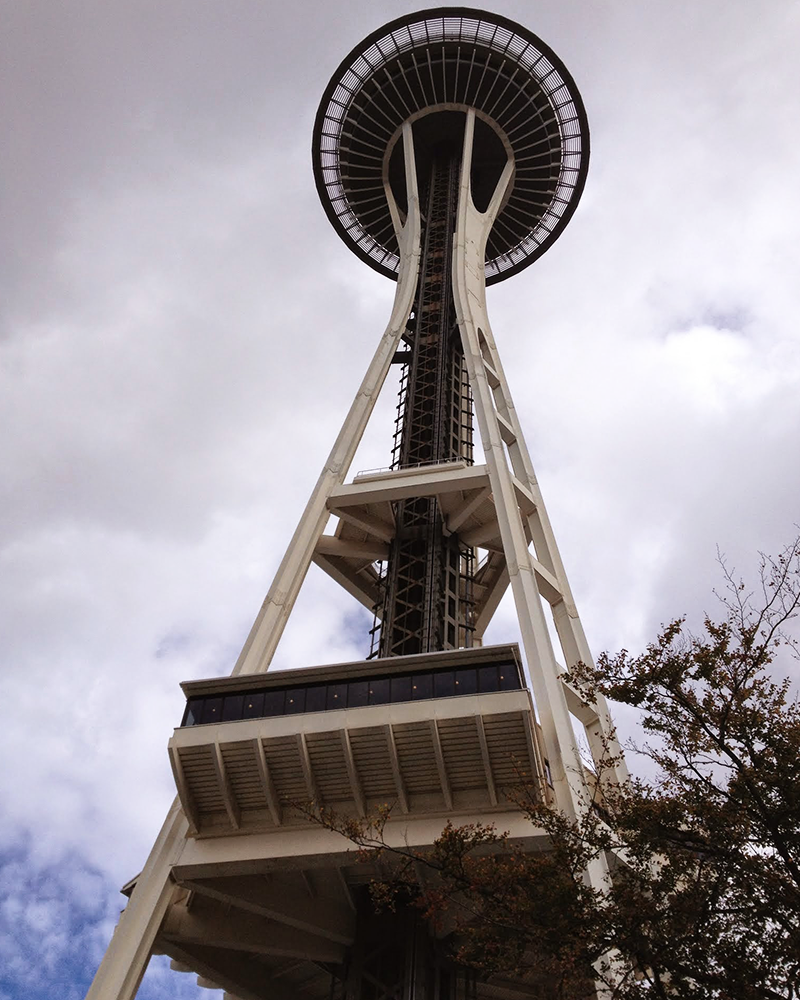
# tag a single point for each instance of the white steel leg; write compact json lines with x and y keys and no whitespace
{"x":128,"y":952}
{"x":267,"y":629}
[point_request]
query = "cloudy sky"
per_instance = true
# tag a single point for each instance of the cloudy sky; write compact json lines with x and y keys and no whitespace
{"x":181,"y":332}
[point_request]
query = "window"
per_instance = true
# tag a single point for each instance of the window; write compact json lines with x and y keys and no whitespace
{"x":295,"y":701}
{"x":379,"y":691}
{"x":355,"y":693}
{"x":467,"y":681}
{"x":212,"y":710}
{"x":421,"y":686}
{"x":232,"y":708}
{"x":253,"y":707}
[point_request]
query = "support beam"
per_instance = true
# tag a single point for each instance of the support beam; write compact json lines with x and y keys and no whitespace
{"x":225,"y":786}
{"x":259,"y":648}
{"x":128,"y":953}
{"x":352,"y":773}
{"x":366,"y":522}
{"x":184,"y":793}
{"x":214,"y":924}
{"x":243,"y":976}
{"x":479,"y":536}
{"x":457,"y":517}
{"x":487,"y":760}
{"x":277,"y":902}
{"x":444,"y":781}
{"x":348,"y":893}
{"x":267,"y":784}
{"x":344,"y":548}
{"x":358,"y":583}
{"x":308,"y":770}
{"x":399,"y":784}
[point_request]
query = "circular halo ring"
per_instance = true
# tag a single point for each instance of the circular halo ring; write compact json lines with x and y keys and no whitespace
{"x":454,"y":57}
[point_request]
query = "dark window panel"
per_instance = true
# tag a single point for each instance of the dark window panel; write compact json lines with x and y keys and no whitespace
{"x":357,"y":694}
{"x":295,"y":701}
{"x":337,"y":696}
{"x":444,"y":684}
{"x":253,"y":705}
{"x":194,"y":712}
{"x":487,"y":678}
{"x":466,"y":681}
{"x":273,"y":702}
{"x":379,"y":691}
{"x":212,"y":710}
{"x":316,"y":698}
{"x":509,"y":677}
{"x":421,"y":686}
{"x":232,"y":708}
{"x":401,"y":688}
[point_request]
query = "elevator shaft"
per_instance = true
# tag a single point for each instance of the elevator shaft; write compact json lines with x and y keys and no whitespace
{"x":426,"y":596}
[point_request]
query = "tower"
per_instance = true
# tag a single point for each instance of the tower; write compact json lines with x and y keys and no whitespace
{"x":450,"y":149}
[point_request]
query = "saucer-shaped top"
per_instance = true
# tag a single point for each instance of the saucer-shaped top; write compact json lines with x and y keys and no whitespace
{"x":444,"y":61}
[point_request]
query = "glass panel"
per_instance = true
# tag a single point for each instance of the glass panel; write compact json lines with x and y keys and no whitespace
{"x":379,"y":692}
{"x":295,"y":701}
{"x":337,"y":696}
{"x":194,"y":712}
{"x":316,"y":698}
{"x":443,"y":684}
{"x":422,"y":686}
{"x":253,"y":705}
{"x":357,"y":693}
{"x":509,"y":677}
{"x":487,"y":678}
{"x":212,"y":710}
{"x":273,"y":701}
{"x":466,"y":681}
{"x":401,"y":688}
{"x":232,"y":709}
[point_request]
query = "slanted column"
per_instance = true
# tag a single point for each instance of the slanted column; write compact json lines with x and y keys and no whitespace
{"x":469,"y":290}
{"x":128,"y":953}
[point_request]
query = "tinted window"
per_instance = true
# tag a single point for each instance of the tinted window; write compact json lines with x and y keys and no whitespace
{"x":379,"y":692}
{"x":194,"y":711}
{"x":487,"y":678}
{"x":253,"y":705}
{"x":509,"y":678}
{"x":351,"y":694}
{"x":273,"y":702}
{"x":422,"y":686}
{"x":232,"y":709}
{"x":212,"y":710}
{"x":466,"y":681}
{"x":444,"y":684}
{"x":401,"y":689}
{"x":337,"y":696}
{"x":357,"y":693}
{"x":316,"y":698}
{"x":295,"y":700}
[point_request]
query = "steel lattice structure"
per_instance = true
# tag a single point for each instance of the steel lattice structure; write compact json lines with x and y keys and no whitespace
{"x":450,"y":150}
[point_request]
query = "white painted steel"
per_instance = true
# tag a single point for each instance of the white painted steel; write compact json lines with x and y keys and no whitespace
{"x":508,"y":480}
{"x":268,"y":627}
{"x":129,"y":950}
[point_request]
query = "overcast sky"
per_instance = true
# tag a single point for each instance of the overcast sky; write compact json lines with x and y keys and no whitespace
{"x":181,"y":332}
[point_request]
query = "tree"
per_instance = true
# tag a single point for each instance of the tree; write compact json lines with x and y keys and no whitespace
{"x":704,"y":900}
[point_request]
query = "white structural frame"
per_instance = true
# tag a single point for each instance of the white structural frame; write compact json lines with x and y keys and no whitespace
{"x":508,"y":479}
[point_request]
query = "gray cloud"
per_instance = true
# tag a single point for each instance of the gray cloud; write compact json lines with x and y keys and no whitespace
{"x":181,"y":332}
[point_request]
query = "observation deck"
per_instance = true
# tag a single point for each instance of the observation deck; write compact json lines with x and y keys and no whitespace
{"x":426,"y":734}
{"x":428,"y":69}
